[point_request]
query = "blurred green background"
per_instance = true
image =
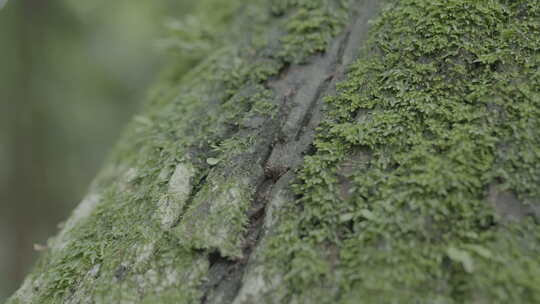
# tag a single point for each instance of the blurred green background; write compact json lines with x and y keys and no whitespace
{"x":71,"y":74}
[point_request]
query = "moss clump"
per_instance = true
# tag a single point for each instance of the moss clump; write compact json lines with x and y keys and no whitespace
{"x":310,"y":26}
{"x":394,"y":206}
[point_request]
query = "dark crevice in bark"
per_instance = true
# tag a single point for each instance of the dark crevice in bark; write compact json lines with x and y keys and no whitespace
{"x":219,"y":271}
{"x":225,"y":274}
{"x":193,"y":193}
{"x":215,"y":257}
{"x":121,"y":272}
{"x":343,"y":47}
{"x":323,"y":88}
{"x":332,"y":72}
{"x":299,"y":91}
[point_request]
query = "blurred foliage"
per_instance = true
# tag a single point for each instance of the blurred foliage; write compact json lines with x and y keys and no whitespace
{"x":71,"y":74}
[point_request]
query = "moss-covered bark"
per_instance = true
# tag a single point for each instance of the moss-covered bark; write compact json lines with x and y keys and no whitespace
{"x":252,"y":180}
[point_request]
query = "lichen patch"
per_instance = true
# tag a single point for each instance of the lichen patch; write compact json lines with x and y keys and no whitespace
{"x":217,"y":218}
{"x":180,"y":184}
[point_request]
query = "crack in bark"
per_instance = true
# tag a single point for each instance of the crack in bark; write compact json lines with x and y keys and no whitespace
{"x":227,"y":274}
{"x":324,"y":86}
{"x":300,"y":90}
{"x":195,"y":189}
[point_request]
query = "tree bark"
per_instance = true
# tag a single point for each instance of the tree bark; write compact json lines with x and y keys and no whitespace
{"x":253,"y":180}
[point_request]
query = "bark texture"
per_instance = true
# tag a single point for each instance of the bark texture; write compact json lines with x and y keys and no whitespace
{"x":252,"y":179}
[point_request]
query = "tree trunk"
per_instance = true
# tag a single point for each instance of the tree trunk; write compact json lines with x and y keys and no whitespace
{"x":251,"y":179}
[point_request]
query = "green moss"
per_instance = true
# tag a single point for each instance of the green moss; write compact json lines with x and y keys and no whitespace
{"x":394,"y":203}
{"x":310,"y":26}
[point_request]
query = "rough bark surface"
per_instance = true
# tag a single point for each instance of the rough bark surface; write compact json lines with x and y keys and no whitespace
{"x":284,"y":170}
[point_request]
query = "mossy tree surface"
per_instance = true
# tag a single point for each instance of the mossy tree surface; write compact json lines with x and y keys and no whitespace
{"x":419,"y":185}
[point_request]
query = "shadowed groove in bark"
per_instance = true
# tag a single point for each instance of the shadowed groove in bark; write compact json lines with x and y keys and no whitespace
{"x":301,"y":89}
